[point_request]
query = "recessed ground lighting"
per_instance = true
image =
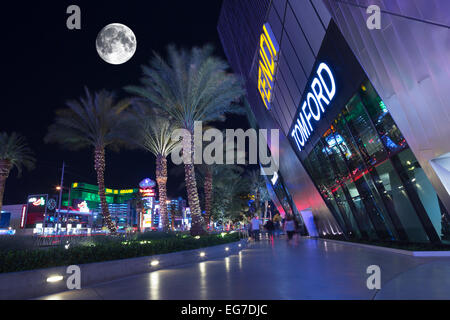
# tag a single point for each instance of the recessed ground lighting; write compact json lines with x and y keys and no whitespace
{"x":197,"y":237}
{"x":239,"y":245}
{"x":226,"y":249}
{"x":154,"y":263}
{"x":202,"y":254}
{"x":54,"y":278}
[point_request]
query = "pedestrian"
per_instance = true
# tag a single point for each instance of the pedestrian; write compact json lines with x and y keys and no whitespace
{"x":289,"y":227}
{"x":277,"y":223}
{"x":249,"y":229}
{"x":256,"y":223}
{"x":270,"y":227}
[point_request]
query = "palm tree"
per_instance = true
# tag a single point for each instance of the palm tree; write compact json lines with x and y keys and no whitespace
{"x":214,"y":174}
{"x":229,"y":189}
{"x":14,"y":152}
{"x":190,"y":86}
{"x":95,"y":121}
{"x":258,"y":185}
{"x":154,"y":135}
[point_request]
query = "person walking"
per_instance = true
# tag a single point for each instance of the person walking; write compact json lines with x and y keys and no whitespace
{"x":270,"y":227}
{"x":277,"y":224}
{"x":249,"y":229}
{"x":256,"y":223}
{"x":289,"y":227}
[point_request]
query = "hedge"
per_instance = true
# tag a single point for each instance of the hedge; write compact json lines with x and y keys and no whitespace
{"x":20,"y":260}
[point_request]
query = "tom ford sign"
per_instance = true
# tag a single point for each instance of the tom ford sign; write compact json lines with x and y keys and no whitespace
{"x":268,"y":55}
{"x":314,"y":105}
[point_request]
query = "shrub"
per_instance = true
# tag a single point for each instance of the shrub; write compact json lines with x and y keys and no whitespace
{"x":101,"y":248}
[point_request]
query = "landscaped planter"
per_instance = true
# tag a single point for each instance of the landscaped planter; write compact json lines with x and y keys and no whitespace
{"x":33,"y":283}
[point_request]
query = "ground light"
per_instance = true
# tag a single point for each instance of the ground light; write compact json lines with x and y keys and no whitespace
{"x":154,"y":263}
{"x":55,"y":278}
{"x":239,"y":245}
{"x":227,"y":248}
{"x":202,"y":254}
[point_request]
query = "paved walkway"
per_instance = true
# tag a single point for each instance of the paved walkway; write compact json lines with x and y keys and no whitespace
{"x":311,"y":269}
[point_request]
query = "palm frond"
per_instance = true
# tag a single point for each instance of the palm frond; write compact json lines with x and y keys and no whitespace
{"x":91,"y":121}
{"x":14,"y":149}
{"x":189,"y":86}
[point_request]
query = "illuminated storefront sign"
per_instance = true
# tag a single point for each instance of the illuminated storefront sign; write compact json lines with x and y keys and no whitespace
{"x":37,"y":201}
{"x":147,"y":192}
{"x":83,"y":207}
{"x":268,"y":56}
{"x":323,"y":90}
{"x":146,"y":220}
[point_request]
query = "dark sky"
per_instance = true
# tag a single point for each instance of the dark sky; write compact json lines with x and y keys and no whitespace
{"x":44,"y":64}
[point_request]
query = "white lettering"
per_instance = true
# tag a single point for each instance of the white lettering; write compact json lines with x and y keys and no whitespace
{"x":331,"y":92}
{"x":300,"y":131}
{"x":310,"y":97}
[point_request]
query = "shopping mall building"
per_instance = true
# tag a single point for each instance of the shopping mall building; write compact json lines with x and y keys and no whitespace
{"x":363,"y":114}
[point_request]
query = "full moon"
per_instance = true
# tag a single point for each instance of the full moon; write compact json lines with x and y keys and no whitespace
{"x":116,"y":43}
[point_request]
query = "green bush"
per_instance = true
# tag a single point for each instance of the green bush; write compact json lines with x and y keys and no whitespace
{"x":105,"y":249}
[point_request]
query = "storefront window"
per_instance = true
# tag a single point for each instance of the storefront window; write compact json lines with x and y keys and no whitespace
{"x":325,"y":180}
{"x":370,"y":179}
{"x":418,"y":181}
{"x":370,"y":200}
{"x":391,"y":136}
{"x":396,"y":197}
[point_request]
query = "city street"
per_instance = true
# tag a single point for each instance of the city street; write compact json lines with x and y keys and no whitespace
{"x":312,"y":269}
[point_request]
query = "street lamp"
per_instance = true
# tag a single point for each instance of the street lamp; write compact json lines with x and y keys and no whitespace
{"x":58,"y":188}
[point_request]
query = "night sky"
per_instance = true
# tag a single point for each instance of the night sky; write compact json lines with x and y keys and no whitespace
{"x":44,"y":64}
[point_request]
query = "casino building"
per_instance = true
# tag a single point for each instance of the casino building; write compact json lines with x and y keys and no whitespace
{"x":363,"y":114}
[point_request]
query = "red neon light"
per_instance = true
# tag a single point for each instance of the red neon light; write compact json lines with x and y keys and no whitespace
{"x":37,"y":202}
{"x":22,"y":217}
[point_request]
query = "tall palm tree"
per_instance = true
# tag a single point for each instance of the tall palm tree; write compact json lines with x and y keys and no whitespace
{"x":229,"y":187}
{"x":190,"y":86}
{"x":212,"y":175}
{"x":95,"y":121}
{"x":154,"y":135}
{"x":14,"y":152}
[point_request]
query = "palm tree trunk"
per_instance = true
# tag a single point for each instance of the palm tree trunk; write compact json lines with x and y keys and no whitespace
{"x":5,"y":168}
{"x":161,"y":179}
{"x":197,"y":225}
{"x":258,"y":203}
{"x":208,"y":185}
{"x":99,"y":165}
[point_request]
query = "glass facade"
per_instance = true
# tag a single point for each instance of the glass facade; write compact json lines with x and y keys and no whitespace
{"x":358,"y":172}
{"x":370,"y":179}
{"x":288,"y":205}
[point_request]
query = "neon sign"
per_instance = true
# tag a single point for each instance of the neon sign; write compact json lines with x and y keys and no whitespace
{"x":320,"y":96}
{"x":22,"y":218}
{"x":147,"y":192}
{"x":37,"y":201}
{"x":268,"y":54}
{"x":83,"y":207}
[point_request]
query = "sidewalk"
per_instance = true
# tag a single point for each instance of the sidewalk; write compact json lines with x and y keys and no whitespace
{"x":312,"y":269}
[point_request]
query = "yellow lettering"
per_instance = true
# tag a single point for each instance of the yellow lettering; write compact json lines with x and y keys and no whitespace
{"x":261,"y":88}
{"x":263,"y":53}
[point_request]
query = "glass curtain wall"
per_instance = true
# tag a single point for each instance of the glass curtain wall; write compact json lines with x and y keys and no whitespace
{"x":288,"y":205}
{"x":370,"y":179}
